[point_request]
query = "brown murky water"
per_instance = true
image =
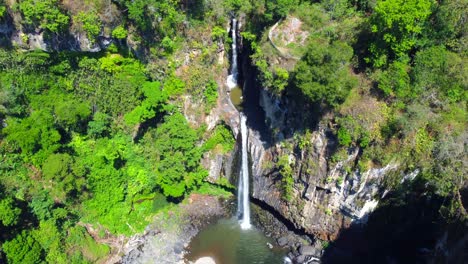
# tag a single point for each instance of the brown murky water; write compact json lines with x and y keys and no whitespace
{"x":236,"y":97}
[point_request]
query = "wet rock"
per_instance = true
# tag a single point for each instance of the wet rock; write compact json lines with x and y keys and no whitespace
{"x":308,"y":251}
{"x":300,"y":259}
{"x":283,"y":241}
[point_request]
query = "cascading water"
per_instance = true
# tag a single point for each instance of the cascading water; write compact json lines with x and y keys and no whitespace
{"x":243,"y":199}
{"x":232,"y":78}
{"x":243,"y":194}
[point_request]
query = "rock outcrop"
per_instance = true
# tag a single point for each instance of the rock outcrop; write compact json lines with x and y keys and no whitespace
{"x":328,"y":196}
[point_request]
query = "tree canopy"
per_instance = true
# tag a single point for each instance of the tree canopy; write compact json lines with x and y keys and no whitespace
{"x":323,"y":76}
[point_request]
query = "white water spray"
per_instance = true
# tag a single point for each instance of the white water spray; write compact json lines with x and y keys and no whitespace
{"x":243,"y":196}
{"x":232,"y":78}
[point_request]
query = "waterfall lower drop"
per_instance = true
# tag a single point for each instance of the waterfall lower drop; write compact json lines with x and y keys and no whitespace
{"x":232,"y":78}
{"x":243,"y":196}
{"x":243,"y":206}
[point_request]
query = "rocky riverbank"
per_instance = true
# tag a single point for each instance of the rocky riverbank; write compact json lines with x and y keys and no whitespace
{"x":165,"y":240}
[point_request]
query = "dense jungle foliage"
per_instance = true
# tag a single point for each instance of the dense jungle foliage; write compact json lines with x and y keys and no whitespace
{"x":101,"y":139}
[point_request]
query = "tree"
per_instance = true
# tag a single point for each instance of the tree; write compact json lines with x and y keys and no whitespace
{"x":60,"y":169}
{"x":323,"y":76}
{"x":238,"y":5}
{"x":174,"y":86}
{"x":153,"y":104}
{"x":90,"y":23}
{"x":23,"y":249}
{"x":70,"y":112}
{"x":344,"y":137}
{"x":48,"y":235}
{"x":41,"y":205}
{"x":395,"y":81}
{"x":34,"y":135}
{"x":99,"y":126}
{"x":397,"y":26}
{"x":337,"y":8}
{"x":279,"y":8}
{"x":442,"y":71}
{"x":45,"y":14}
{"x":9,"y":213}
{"x":168,"y":44}
{"x":145,"y":12}
{"x":210,"y":95}
{"x":178,"y":168}
{"x":448,"y":24}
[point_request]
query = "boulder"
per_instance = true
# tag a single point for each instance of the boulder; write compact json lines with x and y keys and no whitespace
{"x":300,"y":259}
{"x":309,"y":250}
{"x":282,"y":241}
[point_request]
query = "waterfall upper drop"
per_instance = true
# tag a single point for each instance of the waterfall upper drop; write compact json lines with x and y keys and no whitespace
{"x":232,"y":78}
{"x":243,"y":195}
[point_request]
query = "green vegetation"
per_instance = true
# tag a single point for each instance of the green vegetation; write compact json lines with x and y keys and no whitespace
{"x":98,"y":143}
{"x":95,"y":144}
{"x":23,"y":249}
{"x":322,"y":75}
{"x":397,"y":27}
{"x":90,"y":23}
{"x":210,"y":95}
{"x":221,"y":140}
{"x":9,"y":213}
{"x":120,"y":33}
{"x":44,"y":14}
{"x":178,"y":168}
{"x":287,"y":180}
{"x":2,"y":9}
{"x":153,"y":104}
{"x":210,"y":189}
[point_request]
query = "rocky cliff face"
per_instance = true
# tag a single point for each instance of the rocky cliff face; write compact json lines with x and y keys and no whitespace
{"x":14,"y":33}
{"x":327,"y":195}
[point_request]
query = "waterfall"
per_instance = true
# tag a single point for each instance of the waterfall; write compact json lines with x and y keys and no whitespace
{"x":243,"y":196}
{"x":243,"y":207}
{"x":232,"y":78}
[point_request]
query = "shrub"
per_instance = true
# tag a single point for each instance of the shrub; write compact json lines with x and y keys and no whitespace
{"x":90,"y":23}
{"x":220,"y":138}
{"x":168,"y":44}
{"x":119,"y":32}
{"x":287,"y":180}
{"x":211,"y":95}
{"x":344,"y":137}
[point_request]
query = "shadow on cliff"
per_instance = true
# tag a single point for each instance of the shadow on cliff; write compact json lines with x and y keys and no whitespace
{"x":300,"y":114}
{"x":405,"y":228}
{"x":6,"y":30}
{"x":251,"y":101}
